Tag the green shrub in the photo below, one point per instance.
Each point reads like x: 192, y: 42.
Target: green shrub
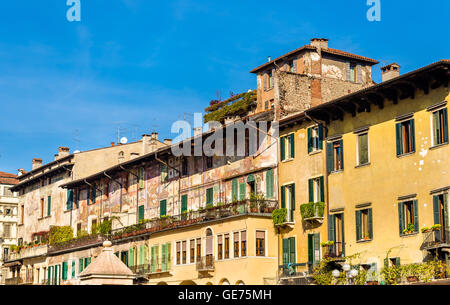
x: 279, y: 216
x: 312, y: 209
x: 60, y: 234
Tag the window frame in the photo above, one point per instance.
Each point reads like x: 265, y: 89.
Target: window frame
x: 358, y: 151
x: 443, y: 122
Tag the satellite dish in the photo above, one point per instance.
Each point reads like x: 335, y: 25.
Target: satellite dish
x: 123, y: 140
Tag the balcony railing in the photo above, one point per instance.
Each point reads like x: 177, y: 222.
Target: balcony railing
x: 436, y: 239
x: 76, y: 243
x: 205, y: 263
x: 294, y: 274
x: 245, y: 207
x: 14, y: 281
x: 337, y: 250
x: 28, y: 252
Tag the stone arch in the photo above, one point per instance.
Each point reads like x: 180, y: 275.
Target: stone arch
x: 209, y: 284
x: 188, y: 283
x: 224, y: 281
x: 240, y: 282
x: 161, y: 284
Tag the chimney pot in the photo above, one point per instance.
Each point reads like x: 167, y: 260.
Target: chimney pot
x: 390, y: 71
x: 36, y: 163
x: 269, y: 59
x: 321, y: 43
x: 113, y: 144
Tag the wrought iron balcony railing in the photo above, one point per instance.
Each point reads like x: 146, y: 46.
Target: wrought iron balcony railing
x: 205, y: 263
x: 436, y: 239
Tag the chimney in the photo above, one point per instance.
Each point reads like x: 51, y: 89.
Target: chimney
x: 269, y: 59
x: 390, y: 71
x: 197, y: 131
x: 63, y: 152
x: 36, y: 163
x: 154, y: 135
x: 168, y: 142
x: 21, y: 172
x: 113, y: 144
x: 320, y: 43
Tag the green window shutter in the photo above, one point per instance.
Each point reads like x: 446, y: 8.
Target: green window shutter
x: 358, y: 226
x: 49, y: 205
x: 64, y: 271
x: 310, y: 248
x: 49, y: 274
x: 69, y: 204
x: 55, y: 277
x: 282, y: 148
x: 184, y: 204
x: 77, y: 199
x: 73, y: 269
x: 332, y: 228
x: 413, y: 136
x: 141, y: 212
x: 322, y: 189
x: 285, y: 251
x: 145, y: 254
x: 153, y: 260
x: 169, y: 255
x: 320, y: 136
x: 401, y: 218
x: 209, y: 197
x: 164, y: 257
x: 94, y: 194
x: 88, y: 196
x: 162, y: 208
x: 436, y: 128
x: 269, y: 183
x: 80, y: 265
x: 399, y: 139
x: 341, y: 154
x: 311, y: 190
x: 283, y: 197
x: 234, y: 190
x: 310, y: 146
x: 130, y: 257
x: 293, y: 197
x: 242, y: 191
x: 316, y: 248
x: 416, y: 216
x: 141, y: 177
x: 436, y: 210
x: 397, y: 261
x: 330, y: 157
x: 370, y: 224
x: 292, y: 145
x: 141, y: 255
x: 292, y: 250
x: 445, y: 127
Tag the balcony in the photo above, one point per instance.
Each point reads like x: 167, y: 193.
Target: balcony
x: 335, y: 251
x: 87, y: 241
x: 312, y: 211
x: 28, y: 252
x: 435, y: 240
x: 294, y: 274
x: 245, y: 207
x: 205, y: 264
x: 14, y: 281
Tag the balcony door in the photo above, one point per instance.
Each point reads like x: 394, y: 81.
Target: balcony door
x: 440, y: 216
x: 209, y: 247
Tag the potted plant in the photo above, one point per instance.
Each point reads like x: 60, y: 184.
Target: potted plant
x: 425, y: 230
x: 436, y: 227
x: 409, y: 229
x: 412, y: 271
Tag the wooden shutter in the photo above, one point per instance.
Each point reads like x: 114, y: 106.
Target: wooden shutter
x: 234, y: 190
x: 162, y: 208
x: 341, y: 153
x: 310, y: 248
x: 358, y: 74
x: 292, y: 250
x: 141, y: 177
x: 141, y: 212
x: 130, y: 257
x: 184, y: 200
x: 401, y: 218
x: 293, y: 198
x: 436, y: 210
x: 322, y: 189
x: 264, y: 77
x: 80, y: 265
x: 358, y: 226
x: 310, y: 146
x: 342, y: 233
x: 317, y: 248
x: 64, y: 271
x: 413, y: 136
x: 269, y: 183
x: 370, y: 219
x: 347, y: 70
x: 164, y: 257
x: 285, y: 251
x: 169, y: 255
x: 242, y: 191
x: 397, y: 261
x: 445, y: 127
x: 292, y: 145
x: 416, y: 216
x: 69, y: 204
x: 94, y: 194
x: 49, y: 205
x: 73, y: 269
x: 399, y: 139
x: 88, y: 196
x: 283, y: 197
x: 209, y: 197
x: 320, y: 128
x: 332, y: 228
x: 436, y: 129
x: 49, y: 274
x: 153, y: 260
x: 330, y: 157
x: 311, y: 190
x: 294, y: 62
x: 283, y: 148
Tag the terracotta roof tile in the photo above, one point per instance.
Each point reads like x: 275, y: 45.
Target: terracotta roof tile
x: 7, y: 178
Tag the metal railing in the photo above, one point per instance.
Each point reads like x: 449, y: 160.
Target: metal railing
x: 14, y: 281
x: 77, y: 242
x: 435, y: 239
x: 293, y: 270
x: 337, y: 250
x: 205, y: 263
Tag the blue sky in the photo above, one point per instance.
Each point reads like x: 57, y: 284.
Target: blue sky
x: 145, y: 63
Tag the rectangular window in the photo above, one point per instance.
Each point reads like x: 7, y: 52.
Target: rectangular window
x: 69, y: 203
x: 289, y: 252
x: 364, y: 226
x: 260, y: 243
x: 184, y: 204
x: 363, y: 149
x: 288, y: 201
x: 244, y: 243
x: 163, y: 173
x: 291, y: 66
x: 42, y: 207
x: 199, y: 249
x: 405, y: 137
x: 440, y: 127
x: 316, y: 189
x: 179, y: 253
x: 6, y: 230
x: 141, y: 177
x: 408, y: 217
x: 236, y: 244
x: 353, y: 76
x: 163, y: 208
x: 209, y: 197
x: 440, y: 203
x: 192, y: 252
x: 287, y: 147
x: 336, y: 233
x: 335, y: 156
x: 49, y: 205
x: 22, y: 213
x: 270, y: 80
x: 315, y: 138
x: 313, y: 249
x: 184, y: 244
x: 184, y: 167
x: 226, y: 254
x: 141, y: 213
x: 220, y: 247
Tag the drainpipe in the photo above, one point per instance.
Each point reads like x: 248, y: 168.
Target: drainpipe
x: 137, y: 192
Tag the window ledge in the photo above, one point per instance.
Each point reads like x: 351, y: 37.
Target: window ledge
x: 362, y: 241
x: 409, y: 235
x: 362, y: 165
x: 315, y: 152
x: 438, y: 146
x: 337, y: 172
x: 406, y: 155
x: 287, y: 160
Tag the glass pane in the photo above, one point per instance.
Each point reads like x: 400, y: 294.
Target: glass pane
x: 363, y: 149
